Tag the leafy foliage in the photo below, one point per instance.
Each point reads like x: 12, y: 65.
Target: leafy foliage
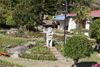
x: 94, y: 30
x: 77, y: 47
x: 10, y: 21
x: 49, y: 17
x: 82, y: 10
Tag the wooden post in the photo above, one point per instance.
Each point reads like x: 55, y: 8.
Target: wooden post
x: 28, y: 33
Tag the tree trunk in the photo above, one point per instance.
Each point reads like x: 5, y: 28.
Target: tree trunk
x: 75, y: 62
x: 80, y: 27
x: 42, y: 19
x: 98, y: 43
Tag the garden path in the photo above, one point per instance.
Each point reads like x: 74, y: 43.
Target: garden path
x: 57, y: 54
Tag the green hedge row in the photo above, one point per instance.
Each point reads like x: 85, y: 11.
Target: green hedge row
x: 38, y: 57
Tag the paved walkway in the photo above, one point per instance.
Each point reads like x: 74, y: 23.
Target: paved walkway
x: 57, y: 54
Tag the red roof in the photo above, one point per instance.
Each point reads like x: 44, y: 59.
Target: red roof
x: 48, y: 21
x: 71, y: 14
x: 95, y: 13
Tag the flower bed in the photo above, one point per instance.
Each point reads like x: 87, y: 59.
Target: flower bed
x: 96, y: 65
x: 38, y: 57
x: 40, y: 52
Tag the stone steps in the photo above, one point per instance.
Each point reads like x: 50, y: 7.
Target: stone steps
x: 56, y: 53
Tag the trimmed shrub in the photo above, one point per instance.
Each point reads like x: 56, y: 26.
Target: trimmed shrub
x: 77, y: 47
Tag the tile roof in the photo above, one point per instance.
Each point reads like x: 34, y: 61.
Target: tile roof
x: 95, y: 13
x: 48, y: 21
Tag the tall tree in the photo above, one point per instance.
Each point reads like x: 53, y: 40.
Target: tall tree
x: 27, y: 12
x: 82, y: 10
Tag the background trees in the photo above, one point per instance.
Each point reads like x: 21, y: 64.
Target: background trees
x: 27, y: 12
x: 82, y: 9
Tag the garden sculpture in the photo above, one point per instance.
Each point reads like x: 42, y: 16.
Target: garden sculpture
x: 49, y: 37
x: 44, y: 29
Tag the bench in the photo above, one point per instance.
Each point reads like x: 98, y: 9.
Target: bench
x: 5, y: 54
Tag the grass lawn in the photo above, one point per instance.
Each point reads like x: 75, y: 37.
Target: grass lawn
x: 4, y: 41
x: 39, y: 52
x: 92, y: 58
x: 37, y: 63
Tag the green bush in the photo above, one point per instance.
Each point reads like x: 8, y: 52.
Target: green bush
x: 94, y: 31
x: 49, y: 17
x: 10, y: 21
x: 77, y: 47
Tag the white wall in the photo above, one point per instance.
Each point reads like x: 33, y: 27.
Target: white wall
x: 69, y: 21
x: 87, y: 25
x: 72, y: 24
x: 62, y: 23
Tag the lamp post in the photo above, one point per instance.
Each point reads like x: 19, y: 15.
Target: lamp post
x: 65, y: 22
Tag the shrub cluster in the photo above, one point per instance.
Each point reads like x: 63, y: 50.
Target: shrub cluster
x: 38, y: 57
x: 78, y: 47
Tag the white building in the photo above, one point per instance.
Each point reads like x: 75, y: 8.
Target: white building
x: 71, y: 24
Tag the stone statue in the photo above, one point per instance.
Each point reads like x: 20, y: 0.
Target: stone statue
x: 49, y: 36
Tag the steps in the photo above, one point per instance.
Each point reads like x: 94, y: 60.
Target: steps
x: 57, y: 54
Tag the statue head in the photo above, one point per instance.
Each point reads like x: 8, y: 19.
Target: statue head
x: 50, y: 29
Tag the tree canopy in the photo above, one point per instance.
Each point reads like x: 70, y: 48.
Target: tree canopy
x: 77, y: 47
x: 26, y: 12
